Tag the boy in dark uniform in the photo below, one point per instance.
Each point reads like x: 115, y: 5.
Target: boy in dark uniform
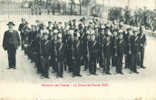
x: 102, y: 43
x: 25, y: 42
x: 44, y: 55
x: 84, y: 43
x: 127, y: 46
x: 134, y: 52
x: 93, y: 54
x: 120, y: 52
x: 114, y: 48
x: 107, y: 53
x: 142, y: 43
x: 31, y: 38
x: 76, y: 55
x: 53, y: 51
x: 100, y: 47
x: 59, y: 56
x: 69, y: 50
x: 86, y: 56
x: 21, y: 28
x: 37, y: 47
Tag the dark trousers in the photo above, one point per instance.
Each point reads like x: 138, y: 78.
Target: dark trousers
x: 76, y: 67
x: 45, y: 66
x: 119, y: 64
x: 59, y: 69
x: 127, y: 61
x: 114, y: 60
x: 142, y: 58
x: 101, y: 61
x: 86, y: 62
x: 37, y: 61
x: 92, y: 66
x: 12, y: 57
x: 107, y: 66
x: 22, y: 40
x: 133, y: 63
x: 69, y: 62
x: 53, y: 63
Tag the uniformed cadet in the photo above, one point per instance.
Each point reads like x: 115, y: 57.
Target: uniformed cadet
x: 133, y: 51
x: 127, y: 47
x: 84, y: 43
x: 44, y: 55
x: 65, y: 35
x: 142, y: 43
x: 31, y: 39
x: 21, y: 29
x: 36, y: 49
x: 86, y: 56
x: 107, y: 52
x: 26, y: 33
x: 59, y: 56
x: 53, y: 51
x: 114, y: 40
x: 92, y: 44
x: 120, y: 52
x: 101, y: 47
x: 69, y: 50
x: 76, y: 54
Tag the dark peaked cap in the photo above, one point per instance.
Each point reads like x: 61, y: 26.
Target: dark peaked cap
x: 11, y: 23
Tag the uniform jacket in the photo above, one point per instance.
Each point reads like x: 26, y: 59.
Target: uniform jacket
x: 21, y: 26
x: 60, y: 52
x: 120, y: 47
x: 44, y: 48
x: 76, y: 50
x: 142, y: 41
x: 107, y: 49
x: 11, y: 39
x: 134, y: 45
x: 92, y: 50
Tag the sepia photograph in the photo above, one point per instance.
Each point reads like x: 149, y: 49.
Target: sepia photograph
x: 77, y: 49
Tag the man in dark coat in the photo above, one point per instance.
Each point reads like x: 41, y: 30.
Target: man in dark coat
x: 11, y: 43
x: 142, y: 43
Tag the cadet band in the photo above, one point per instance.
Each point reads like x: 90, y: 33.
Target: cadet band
x: 68, y: 46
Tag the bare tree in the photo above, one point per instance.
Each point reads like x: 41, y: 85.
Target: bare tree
x: 85, y: 2
x: 80, y: 7
x: 71, y: 7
